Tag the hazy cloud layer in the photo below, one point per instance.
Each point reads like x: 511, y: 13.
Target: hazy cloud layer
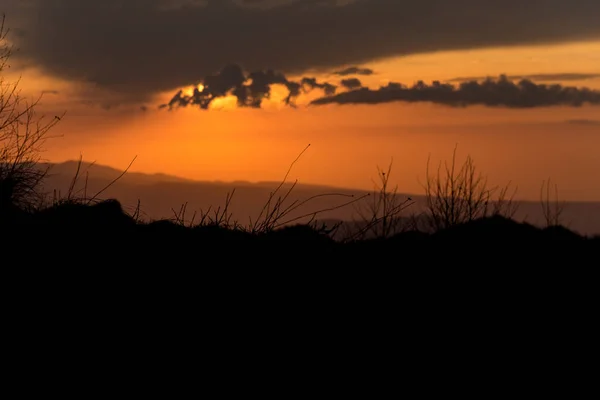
x: 559, y: 77
x: 588, y: 122
x: 249, y: 89
x: 140, y: 47
x: 500, y: 92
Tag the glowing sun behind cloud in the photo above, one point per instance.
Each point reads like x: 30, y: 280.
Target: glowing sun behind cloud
x: 228, y: 102
x: 189, y: 91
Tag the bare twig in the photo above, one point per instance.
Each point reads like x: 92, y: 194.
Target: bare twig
x: 552, y: 209
x: 381, y: 217
x: 112, y: 182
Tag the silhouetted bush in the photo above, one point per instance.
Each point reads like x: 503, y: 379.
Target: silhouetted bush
x: 456, y: 195
x: 22, y: 135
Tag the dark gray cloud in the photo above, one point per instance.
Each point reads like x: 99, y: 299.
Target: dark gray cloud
x: 558, y: 77
x: 351, y: 83
x: 312, y: 83
x: 500, y: 92
x: 250, y: 89
x: 354, y: 71
x: 139, y: 47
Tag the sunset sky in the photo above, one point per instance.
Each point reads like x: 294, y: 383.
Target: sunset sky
x: 362, y: 81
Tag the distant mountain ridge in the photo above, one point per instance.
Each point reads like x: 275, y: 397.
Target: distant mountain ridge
x: 99, y: 171
x: 107, y: 172
x: 162, y: 196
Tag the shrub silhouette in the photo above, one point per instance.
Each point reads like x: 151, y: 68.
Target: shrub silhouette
x: 22, y: 136
x: 299, y: 232
x: 106, y: 214
x: 458, y: 194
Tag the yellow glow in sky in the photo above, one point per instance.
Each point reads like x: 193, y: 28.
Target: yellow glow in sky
x: 189, y: 91
x: 228, y: 102
x: 349, y: 142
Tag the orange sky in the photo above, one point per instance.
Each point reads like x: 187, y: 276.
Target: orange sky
x: 348, y: 142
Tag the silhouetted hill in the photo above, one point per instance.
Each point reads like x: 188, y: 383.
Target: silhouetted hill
x: 105, y: 232
x: 83, y: 257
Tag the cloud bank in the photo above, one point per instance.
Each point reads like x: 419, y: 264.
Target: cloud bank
x: 250, y: 89
x: 141, y: 47
x: 559, y: 77
x: 501, y: 92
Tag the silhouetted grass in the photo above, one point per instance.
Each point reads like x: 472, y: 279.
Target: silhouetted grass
x: 278, y: 211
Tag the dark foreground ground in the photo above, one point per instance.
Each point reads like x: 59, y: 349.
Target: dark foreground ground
x: 98, y: 250
x: 102, y: 234
x: 493, y: 305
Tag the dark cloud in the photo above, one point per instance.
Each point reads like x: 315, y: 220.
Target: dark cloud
x: 249, y: 89
x: 501, y: 92
x: 312, y: 83
x: 564, y: 76
x: 351, y: 83
x: 49, y: 91
x: 141, y: 47
x: 354, y: 71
